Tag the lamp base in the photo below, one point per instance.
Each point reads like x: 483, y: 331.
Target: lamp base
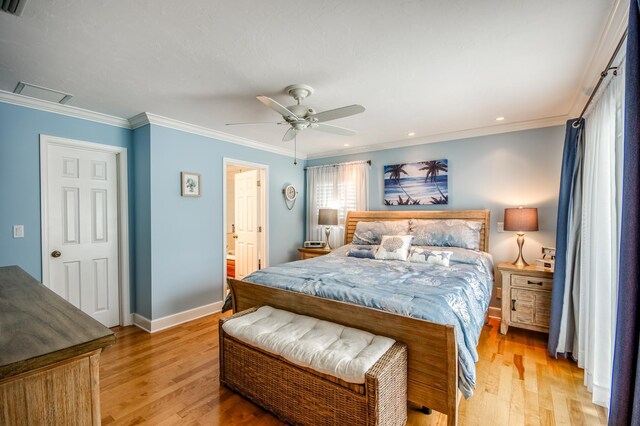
x: 520, y: 262
x: 327, y: 232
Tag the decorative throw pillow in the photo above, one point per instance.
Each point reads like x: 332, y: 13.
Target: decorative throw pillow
x: 363, y: 252
x: 434, y: 257
x: 371, y: 232
x: 394, y: 247
x: 446, y: 233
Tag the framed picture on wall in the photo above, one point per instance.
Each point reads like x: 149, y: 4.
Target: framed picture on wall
x: 424, y: 182
x: 191, y: 184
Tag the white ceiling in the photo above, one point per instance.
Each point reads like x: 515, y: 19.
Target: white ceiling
x: 424, y: 66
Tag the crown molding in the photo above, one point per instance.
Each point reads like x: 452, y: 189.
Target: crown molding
x: 139, y: 120
x: 616, y: 25
x: 145, y: 118
x: 67, y: 110
x: 449, y: 136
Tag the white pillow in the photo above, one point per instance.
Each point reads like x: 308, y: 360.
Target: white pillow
x: 434, y: 257
x: 394, y: 247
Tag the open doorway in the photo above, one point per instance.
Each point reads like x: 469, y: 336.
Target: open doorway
x: 245, y: 218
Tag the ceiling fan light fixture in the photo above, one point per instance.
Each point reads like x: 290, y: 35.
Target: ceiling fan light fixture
x: 300, y: 117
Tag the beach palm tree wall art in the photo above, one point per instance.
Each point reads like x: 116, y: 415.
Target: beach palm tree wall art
x: 420, y: 183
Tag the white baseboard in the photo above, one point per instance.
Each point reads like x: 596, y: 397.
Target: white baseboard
x: 495, y: 312
x: 151, y: 326
x: 128, y: 320
x: 142, y: 322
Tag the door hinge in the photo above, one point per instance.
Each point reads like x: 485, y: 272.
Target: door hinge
x: 259, y: 264
x: 258, y: 184
x: 259, y: 228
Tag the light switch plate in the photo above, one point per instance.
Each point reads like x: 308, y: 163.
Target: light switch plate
x: 18, y: 231
x: 500, y: 226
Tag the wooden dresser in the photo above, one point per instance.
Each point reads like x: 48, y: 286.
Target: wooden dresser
x: 49, y: 355
x: 526, y: 297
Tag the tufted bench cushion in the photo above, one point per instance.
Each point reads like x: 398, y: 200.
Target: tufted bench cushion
x: 308, y: 371
x: 342, y: 352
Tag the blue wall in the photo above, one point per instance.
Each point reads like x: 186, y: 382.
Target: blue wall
x: 176, y: 255
x: 187, y: 233
x: 20, y: 130
x: 489, y: 172
x: 142, y: 219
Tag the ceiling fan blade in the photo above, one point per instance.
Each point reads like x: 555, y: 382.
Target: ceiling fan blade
x: 334, y: 114
x: 333, y: 129
x: 251, y: 124
x: 276, y: 107
x: 289, y: 135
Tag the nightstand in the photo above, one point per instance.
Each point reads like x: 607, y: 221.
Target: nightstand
x: 526, y: 297
x: 308, y: 253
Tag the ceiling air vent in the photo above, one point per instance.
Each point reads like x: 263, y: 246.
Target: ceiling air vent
x: 14, y: 7
x: 44, y: 93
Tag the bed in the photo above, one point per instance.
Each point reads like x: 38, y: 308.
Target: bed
x: 433, y: 365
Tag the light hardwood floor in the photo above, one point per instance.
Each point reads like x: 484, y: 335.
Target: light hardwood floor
x: 171, y: 377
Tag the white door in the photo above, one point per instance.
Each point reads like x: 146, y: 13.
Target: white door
x: 246, y: 221
x: 82, y: 227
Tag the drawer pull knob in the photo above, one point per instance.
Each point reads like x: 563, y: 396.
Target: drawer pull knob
x: 535, y: 282
x: 513, y: 304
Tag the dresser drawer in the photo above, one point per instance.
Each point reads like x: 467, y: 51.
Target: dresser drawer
x: 533, y: 283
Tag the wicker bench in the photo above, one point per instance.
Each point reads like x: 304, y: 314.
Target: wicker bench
x: 301, y: 392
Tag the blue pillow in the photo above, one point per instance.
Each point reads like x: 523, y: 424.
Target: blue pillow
x: 372, y: 232
x: 363, y: 252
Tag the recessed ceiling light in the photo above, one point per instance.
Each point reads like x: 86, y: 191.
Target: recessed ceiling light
x: 499, y: 118
x: 346, y: 144
x: 411, y: 134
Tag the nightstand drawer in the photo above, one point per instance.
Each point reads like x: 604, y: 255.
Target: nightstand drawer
x: 309, y: 253
x: 533, y: 283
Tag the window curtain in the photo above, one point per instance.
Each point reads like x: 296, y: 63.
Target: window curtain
x: 570, y: 184
x: 625, y: 395
x: 596, y: 294
x: 339, y: 186
x: 586, y: 325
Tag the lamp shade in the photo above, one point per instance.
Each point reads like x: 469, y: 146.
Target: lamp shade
x: 521, y: 219
x: 327, y: 217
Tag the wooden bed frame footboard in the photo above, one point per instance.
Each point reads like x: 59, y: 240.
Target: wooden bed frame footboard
x: 432, y: 349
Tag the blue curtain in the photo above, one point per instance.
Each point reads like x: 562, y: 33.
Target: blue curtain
x: 625, y: 394
x: 572, y: 143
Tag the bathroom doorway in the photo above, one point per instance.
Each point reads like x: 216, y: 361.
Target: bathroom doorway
x: 245, y: 218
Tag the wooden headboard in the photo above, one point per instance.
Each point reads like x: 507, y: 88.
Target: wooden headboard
x: 372, y: 216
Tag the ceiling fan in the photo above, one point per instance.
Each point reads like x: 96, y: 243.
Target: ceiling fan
x: 299, y: 117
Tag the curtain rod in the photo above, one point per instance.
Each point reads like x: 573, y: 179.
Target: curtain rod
x: 603, y: 74
x: 339, y: 164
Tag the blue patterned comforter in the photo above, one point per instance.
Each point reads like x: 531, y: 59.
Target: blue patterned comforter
x: 458, y: 295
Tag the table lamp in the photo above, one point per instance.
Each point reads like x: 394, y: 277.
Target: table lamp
x: 328, y: 217
x: 520, y: 219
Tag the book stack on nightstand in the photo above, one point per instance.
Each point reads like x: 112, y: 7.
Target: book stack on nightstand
x: 526, y: 297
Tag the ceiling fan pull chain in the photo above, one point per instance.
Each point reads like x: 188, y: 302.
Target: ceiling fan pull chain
x: 295, y: 149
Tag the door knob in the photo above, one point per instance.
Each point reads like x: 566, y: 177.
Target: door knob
x: 56, y: 253
x: 235, y: 237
